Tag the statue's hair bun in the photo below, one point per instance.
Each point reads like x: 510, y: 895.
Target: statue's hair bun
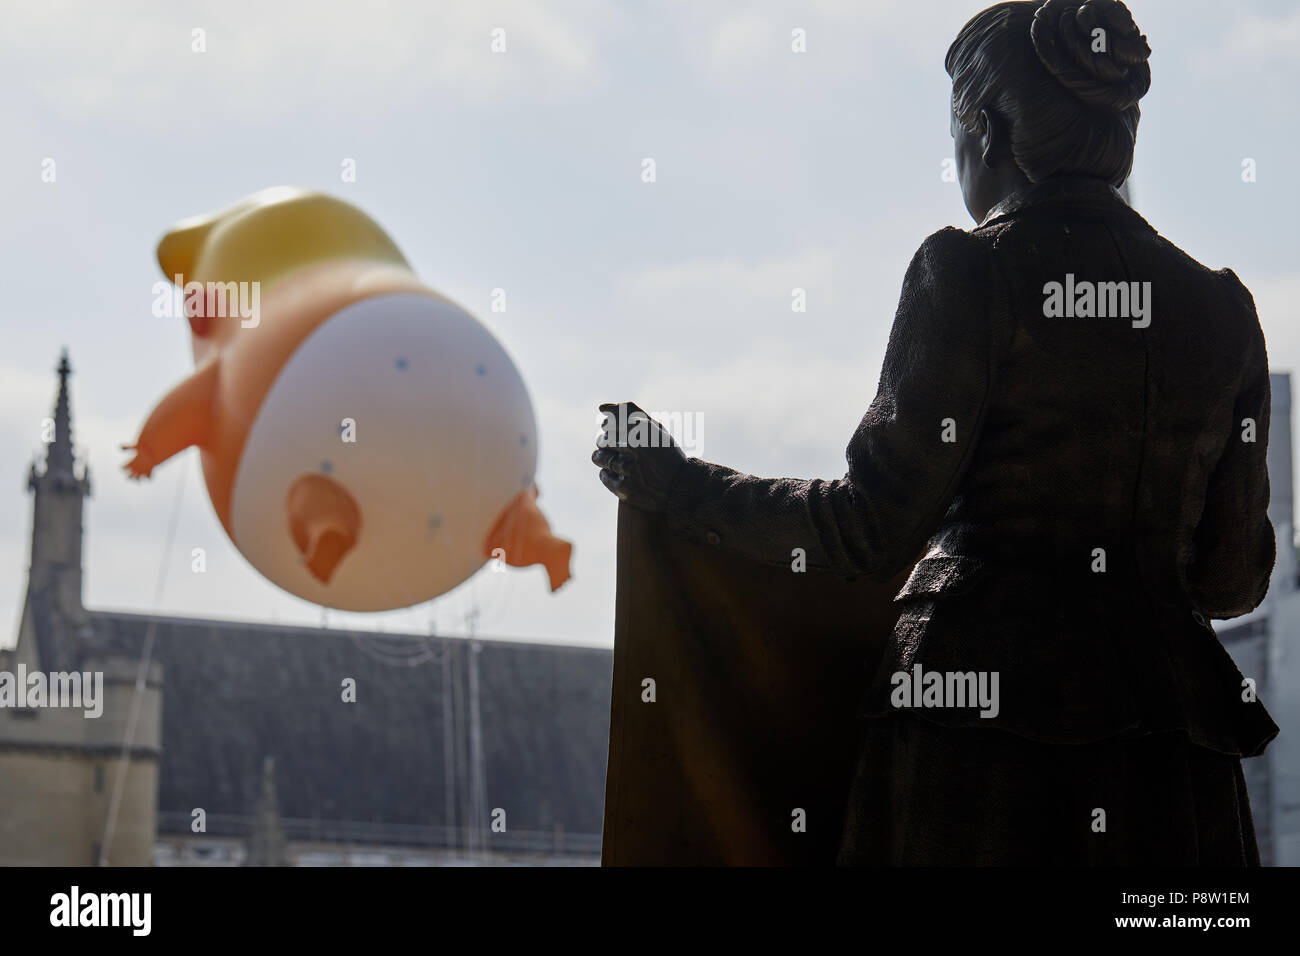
x: 1105, y: 70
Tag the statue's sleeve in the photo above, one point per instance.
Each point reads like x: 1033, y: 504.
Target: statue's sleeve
x: 908, y: 454
x: 1235, y: 545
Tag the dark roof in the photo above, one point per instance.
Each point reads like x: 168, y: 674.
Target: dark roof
x: 235, y: 693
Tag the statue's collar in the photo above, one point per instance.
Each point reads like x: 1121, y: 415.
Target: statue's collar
x: 1062, y: 189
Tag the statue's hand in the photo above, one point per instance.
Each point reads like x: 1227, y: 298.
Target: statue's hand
x: 637, y: 456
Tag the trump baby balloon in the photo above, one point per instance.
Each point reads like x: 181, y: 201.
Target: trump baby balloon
x: 366, y: 443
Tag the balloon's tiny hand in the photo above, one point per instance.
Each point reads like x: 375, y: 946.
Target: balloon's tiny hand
x: 637, y: 457
x: 142, y: 465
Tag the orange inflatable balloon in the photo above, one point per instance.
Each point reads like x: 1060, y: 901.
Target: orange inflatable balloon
x: 366, y: 443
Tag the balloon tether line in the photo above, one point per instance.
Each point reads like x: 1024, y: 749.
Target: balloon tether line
x: 141, y: 678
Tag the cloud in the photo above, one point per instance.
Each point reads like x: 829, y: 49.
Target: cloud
x: 1255, y: 39
x: 1275, y: 299
x: 729, y: 286
x: 697, y: 312
x: 767, y: 412
x: 138, y: 61
x: 741, y: 40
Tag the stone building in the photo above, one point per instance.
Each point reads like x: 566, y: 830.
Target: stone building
x: 242, y: 749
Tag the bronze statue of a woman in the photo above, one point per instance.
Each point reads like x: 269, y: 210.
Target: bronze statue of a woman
x: 1069, y: 445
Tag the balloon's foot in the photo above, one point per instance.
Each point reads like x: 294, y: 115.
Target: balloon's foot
x: 522, y: 536
x: 324, y: 521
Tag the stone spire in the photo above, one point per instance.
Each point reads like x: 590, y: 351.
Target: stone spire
x: 266, y: 843
x: 59, y: 472
x: 58, y: 454
x: 60, y: 490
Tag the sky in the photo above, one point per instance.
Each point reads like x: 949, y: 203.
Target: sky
x: 522, y: 170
